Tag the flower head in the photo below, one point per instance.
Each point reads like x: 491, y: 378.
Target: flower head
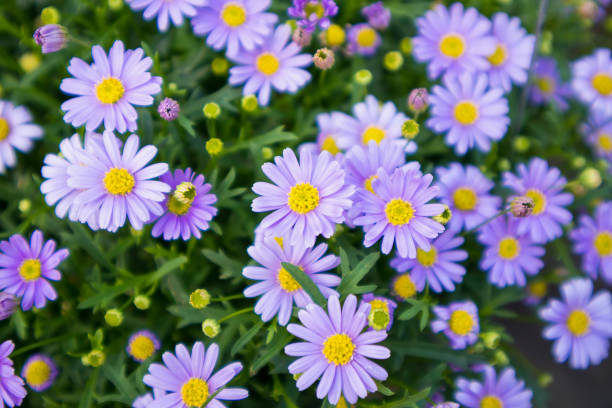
x: 598, y: 133
x: 313, y: 13
x: 403, y: 287
x: 166, y: 10
x: 142, y: 345
x: 459, y: 322
x: 418, y: 100
x: 51, y: 37
x: 522, y: 206
x: 593, y: 240
x: 39, y: 372
x: 363, y: 39
x: 144, y: 400
x: 592, y: 80
x: 168, y: 109
x: 323, y: 58
x: 377, y: 14
x: 381, y: 312
x: 494, y: 392
x: 16, y: 133
x: 547, y: 85
x: 12, y: 391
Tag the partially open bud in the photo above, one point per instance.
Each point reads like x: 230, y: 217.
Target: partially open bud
x: 418, y: 100
x: 323, y: 58
x: 379, y: 318
x: 522, y: 206
x: 410, y: 129
x: 363, y: 77
x: 490, y: 339
x: 214, y: 146
x: 168, y: 109
x: 588, y: 10
x: 51, y: 37
x: 301, y: 37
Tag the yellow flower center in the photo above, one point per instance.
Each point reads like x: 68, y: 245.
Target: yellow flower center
x: 287, y: 282
x: 342, y: 403
x: 538, y: 289
x: 182, y: 198
x: 315, y: 8
x: 373, y: 133
x: 30, y: 269
x: 491, y: 401
x: 118, y: 181
x: 338, y: 349
x: 603, y: 243
x: 465, y: 198
x: 37, y: 373
x: 499, y: 56
x: 335, y: 35
x: 110, y: 90
x: 329, y: 144
x: 602, y: 83
x: 545, y: 84
x: 142, y: 348
x: 461, y: 322
x: 303, y: 198
x: 366, y: 37
x: 233, y: 14
x: 604, y: 141
x: 404, y: 287
x: 578, y: 322
x: 367, y: 184
x: 466, y: 112
x: 452, y: 45
x: 539, y: 200
x: 194, y: 392
x: 279, y: 241
x: 509, y: 248
x: 428, y: 258
x: 4, y: 129
x: 267, y: 63
x: 399, y: 212
x: 379, y: 317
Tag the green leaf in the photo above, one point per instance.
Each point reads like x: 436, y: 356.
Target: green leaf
x: 116, y: 375
x: 350, y: 280
x: 276, y: 135
x: 88, y: 393
x: 306, y: 283
x: 424, y: 318
x: 186, y: 124
x: 272, y: 350
x: 166, y: 268
x: 244, y: 340
x: 410, y: 313
x: 85, y: 241
x: 232, y: 267
x: 431, y: 351
x: 384, y: 390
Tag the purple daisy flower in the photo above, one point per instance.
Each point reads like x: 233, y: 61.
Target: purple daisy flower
x: 188, y: 378
x: 547, y: 84
x: 459, y: 322
x: 509, y: 254
x: 107, y: 89
x: 51, y: 37
x: 312, y: 13
x: 8, y: 304
x: 234, y: 24
x: 307, y: 198
x: 593, y: 240
x: 581, y: 324
x: 25, y: 269
x: 336, y: 351
x: 12, y: 391
x: 16, y: 133
x: 166, y: 10
x: 144, y: 400
x: 117, y: 184
x: 469, y: 111
x: 279, y: 289
x: 377, y: 14
x: 544, y: 186
x: 327, y: 138
x: 466, y: 192
x: 363, y: 40
x: 39, y: 372
x: 598, y: 133
x: 494, y: 392
x: 592, y: 80
x: 512, y: 57
x: 398, y: 212
x: 381, y: 312
x: 273, y: 64
x: 142, y: 345
x: 453, y: 40
x: 189, y: 206
x: 438, y: 267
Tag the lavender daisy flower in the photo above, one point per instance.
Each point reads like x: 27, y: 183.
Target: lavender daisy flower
x: 363, y: 40
x: 312, y: 13
x: 377, y: 14
x: 327, y: 138
x: 12, y: 391
x: 279, y: 289
x: 398, y: 212
x: 581, y: 324
x: 51, y: 37
x: 598, y: 133
x: 381, y: 312
x: 39, y: 372
x: 509, y: 255
x: 437, y: 267
x: 144, y: 400
x: 453, y: 40
x: 189, y: 206
x: 108, y: 88
x: 189, y: 381
x: 273, y: 64
x: 466, y: 192
x: 166, y: 10
x: 16, y: 133
x: 307, y: 198
x: 543, y: 185
x: 469, y: 111
x: 142, y: 345
x: 459, y: 322
x: 118, y: 184
x: 592, y: 80
x: 8, y: 303
x: 593, y: 240
x: 234, y: 24
x: 547, y: 84
x: 494, y: 392
x: 336, y: 351
x: 402, y: 287
x: 512, y: 57
x: 25, y: 269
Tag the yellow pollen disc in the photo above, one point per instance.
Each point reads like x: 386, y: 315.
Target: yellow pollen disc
x: 428, y: 258
x: 110, y: 90
x: 465, y: 198
x: 372, y: 133
x: 603, y: 243
x: 303, y: 198
x: 461, y: 322
x: 279, y: 241
x: 499, y: 56
x: 315, y: 8
x: 578, y: 322
x: 367, y: 184
x: 539, y: 200
x: 509, y: 248
x: 180, y: 201
x: 366, y: 37
x: 287, y: 282
x: 267, y: 63
x: 452, y: 45
x: 338, y: 349
x: 602, y: 83
x: 233, y: 14
x: 538, y: 289
x: 4, y: 129
x: 335, y: 35
x: 379, y: 319
x: 118, y: 181
x: 194, y: 392
x: 399, y: 212
x: 604, y: 141
x: 30, y: 269
x: 466, y: 112
x: 404, y: 287
x: 545, y: 84
x: 378, y: 304
x: 37, y: 373
x: 142, y: 348
x: 342, y: 403
x: 329, y: 144
x: 491, y: 401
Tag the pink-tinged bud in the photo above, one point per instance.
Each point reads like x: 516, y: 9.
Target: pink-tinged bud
x: 418, y: 100
x: 522, y: 206
x: 51, y: 37
x: 8, y: 303
x: 588, y: 10
x: 323, y: 58
x: 168, y: 109
x: 301, y: 37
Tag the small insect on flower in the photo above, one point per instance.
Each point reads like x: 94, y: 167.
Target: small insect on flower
x: 522, y: 206
x: 459, y: 322
x: 168, y: 109
x: 593, y: 240
x: 39, y: 372
x: 16, y: 133
x: 12, y: 391
x: 503, y: 391
x: 301, y: 37
x: 313, y: 13
x: 142, y: 345
x: 51, y: 37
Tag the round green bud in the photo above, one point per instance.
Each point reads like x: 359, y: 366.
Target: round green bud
x: 500, y: 358
x: 249, y: 103
x: 267, y: 153
x: 211, y: 328
x: 115, y: 4
x: 406, y: 45
x: 49, y: 15
x: 379, y: 318
x: 410, y: 129
x: 95, y: 358
x: 199, y: 298
x: 142, y: 302
x: 545, y: 379
x: 219, y: 66
x: 25, y: 205
x: 393, y: 60
x: 214, y: 146
x: 363, y: 77
x: 578, y: 162
x: 211, y: 110
x: 590, y: 178
x: 113, y: 317
x: 503, y: 164
x: 521, y: 144
x: 490, y: 339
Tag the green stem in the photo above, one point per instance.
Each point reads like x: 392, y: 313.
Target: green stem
x: 485, y: 222
x: 232, y: 297
x: 237, y: 313
x: 40, y: 344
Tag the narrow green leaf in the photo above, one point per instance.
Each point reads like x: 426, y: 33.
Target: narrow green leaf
x: 431, y: 351
x: 348, y: 284
x: 85, y: 241
x: 407, y: 400
x: 234, y: 268
x: 410, y: 313
x: 272, y: 350
x: 186, y: 124
x: 166, y: 268
x: 306, y: 283
x: 424, y: 318
x: 345, y: 266
x: 244, y: 340
x: 88, y: 393
x: 384, y: 390
x: 116, y: 375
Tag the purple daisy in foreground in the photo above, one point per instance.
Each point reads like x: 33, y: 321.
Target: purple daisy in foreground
x: 166, y: 10
x: 544, y: 186
x: 593, y: 240
x: 107, y: 89
x: 26, y: 268
x: 307, y: 198
x: 381, y: 311
x: 504, y: 391
x: 39, y: 372
x: 547, y: 85
x: 592, y: 80
x: 189, y: 381
x: 16, y: 133
x: 312, y: 13
x: 144, y: 400
x: 12, y: 391
x: 142, y: 345
x: 459, y: 322
x: 278, y: 288
x: 327, y: 138
x: 336, y: 351
x: 363, y: 39
x: 581, y: 324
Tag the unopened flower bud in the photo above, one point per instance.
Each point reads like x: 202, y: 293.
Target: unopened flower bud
x: 393, y: 60
x: 113, y: 317
x: 29, y: 61
x: 363, y: 77
x: 199, y: 298
x: 410, y: 129
x: 169, y: 109
x: 24, y: 205
x: 418, y: 100
x: 406, y: 45
x: 8, y: 303
x: 219, y: 66
x: 521, y: 144
x: 51, y: 38
x: 545, y: 379
x: 115, y: 4
x: 49, y: 15
x: 323, y: 58
x: 501, y: 358
x: 301, y: 37
x: 211, y: 328
x: 490, y: 339
x: 249, y: 103
x: 379, y: 318
x: 214, y: 146
x: 211, y: 110
x: 522, y: 206
x: 588, y: 10
x: 590, y: 178
x: 95, y: 358
x: 142, y: 302
x: 267, y: 153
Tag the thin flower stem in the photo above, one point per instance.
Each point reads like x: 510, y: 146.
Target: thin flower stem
x: 237, y: 313
x: 485, y: 222
x: 232, y: 297
x: 40, y: 344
